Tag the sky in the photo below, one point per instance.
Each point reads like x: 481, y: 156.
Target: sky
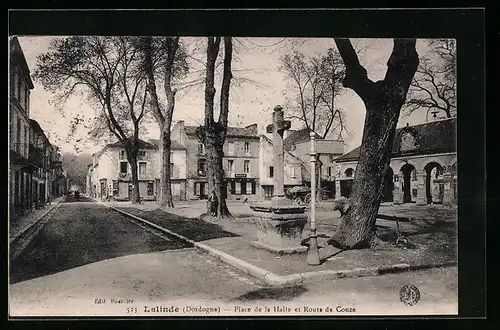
x: 255, y: 59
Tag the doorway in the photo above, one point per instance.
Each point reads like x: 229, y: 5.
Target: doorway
x: 433, y: 191
x: 409, y: 175
x: 388, y: 186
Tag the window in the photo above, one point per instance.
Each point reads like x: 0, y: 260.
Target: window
x: 237, y: 185
x: 247, y: 147
x: 233, y: 187
x: 201, y: 148
x: 230, y: 166
x: 253, y: 188
x: 249, y: 188
x: 349, y: 173
x: 142, y: 168
x: 150, y: 188
x: 122, y: 154
x: 18, y: 138
x: 201, y: 167
x: 268, y: 192
x: 243, y: 187
x: 246, y: 166
x: 123, y: 167
x: 230, y: 148
x: 171, y: 170
x: 329, y: 171
x: 271, y: 172
x: 141, y: 155
x: 414, y: 175
x: 294, y: 174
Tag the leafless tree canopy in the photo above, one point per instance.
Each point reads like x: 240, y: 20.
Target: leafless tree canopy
x: 316, y: 83
x: 434, y: 84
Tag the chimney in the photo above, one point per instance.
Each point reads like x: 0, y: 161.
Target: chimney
x: 181, y: 129
x: 252, y: 128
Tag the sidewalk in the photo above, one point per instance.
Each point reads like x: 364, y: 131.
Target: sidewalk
x: 432, y: 233
x: 18, y: 226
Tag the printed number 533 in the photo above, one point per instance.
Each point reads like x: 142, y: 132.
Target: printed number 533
x: 131, y: 310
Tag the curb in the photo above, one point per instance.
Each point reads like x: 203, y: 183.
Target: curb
x: 14, y: 237
x: 274, y: 280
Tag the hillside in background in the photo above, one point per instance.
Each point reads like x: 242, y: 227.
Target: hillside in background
x: 76, y: 166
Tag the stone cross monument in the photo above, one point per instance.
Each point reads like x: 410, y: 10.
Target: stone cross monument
x: 279, y: 224
x: 278, y: 128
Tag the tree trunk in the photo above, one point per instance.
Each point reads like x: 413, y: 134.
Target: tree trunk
x: 358, y: 223
x: 166, y: 190
x: 215, y: 173
x: 136, y: 197
x: 383, y: 101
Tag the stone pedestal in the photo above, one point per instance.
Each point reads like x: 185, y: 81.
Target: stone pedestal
x: 279, y: 227
x: 448, y: 194
x: 397, y: 193
x: 338, y: 193
x: 421, y: 193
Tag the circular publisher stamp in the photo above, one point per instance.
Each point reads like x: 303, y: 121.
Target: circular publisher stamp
x: 409, y: 295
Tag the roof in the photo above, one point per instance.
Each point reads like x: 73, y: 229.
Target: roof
x: 174, y: 145
x: 17, y: 51
x: 231, y: 131
x: 296, y: 137
x: 141, y: 144
x: 432, y: 137
x: 271, y: 143
x: 121, y: 144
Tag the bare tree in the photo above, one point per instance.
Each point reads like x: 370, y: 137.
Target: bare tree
x: 316, y: 82
x: 213, y: 133
x: 106, y: 71
x: 383, y: 101
x: 163, y: 54
x: 434, y: 84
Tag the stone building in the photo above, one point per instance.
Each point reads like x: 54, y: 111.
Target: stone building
x: 294, y: 167
x: 422, y: 167
x: 40, y: 153
x: 111, y: 172
x: 240, y: 161
x: 21, y: 166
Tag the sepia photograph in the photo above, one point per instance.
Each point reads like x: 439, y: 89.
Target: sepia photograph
x: 232, y: 176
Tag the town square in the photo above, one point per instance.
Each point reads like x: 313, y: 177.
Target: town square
x: 203, y: 176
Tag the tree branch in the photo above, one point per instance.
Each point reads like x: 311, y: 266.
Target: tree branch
x: 356, y: 76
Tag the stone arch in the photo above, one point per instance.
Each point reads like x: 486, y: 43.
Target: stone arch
x: 452, y: 163
x: 433, y: 181
x: 435, y: 160
x: 407, y: 181
x: 398, y: 166
x: 388, y: 185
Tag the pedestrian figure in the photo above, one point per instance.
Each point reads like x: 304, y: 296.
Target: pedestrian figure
x: 213, y: 204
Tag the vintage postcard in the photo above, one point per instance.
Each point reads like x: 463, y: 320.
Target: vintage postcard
x: 232, y: 176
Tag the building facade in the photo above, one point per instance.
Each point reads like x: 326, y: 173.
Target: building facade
x: 293, y: 169
x: 298, y: 143
x: 240, y: 161
x: 177, y: 169
x: 111, y: 172
x: 423, y: 165
x: 21, y: 166
x: 40, y: 151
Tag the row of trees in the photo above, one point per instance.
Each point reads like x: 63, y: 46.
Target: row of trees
x: 120, y: 76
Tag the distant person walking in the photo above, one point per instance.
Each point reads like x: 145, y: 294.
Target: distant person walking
x: 213, y: 202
